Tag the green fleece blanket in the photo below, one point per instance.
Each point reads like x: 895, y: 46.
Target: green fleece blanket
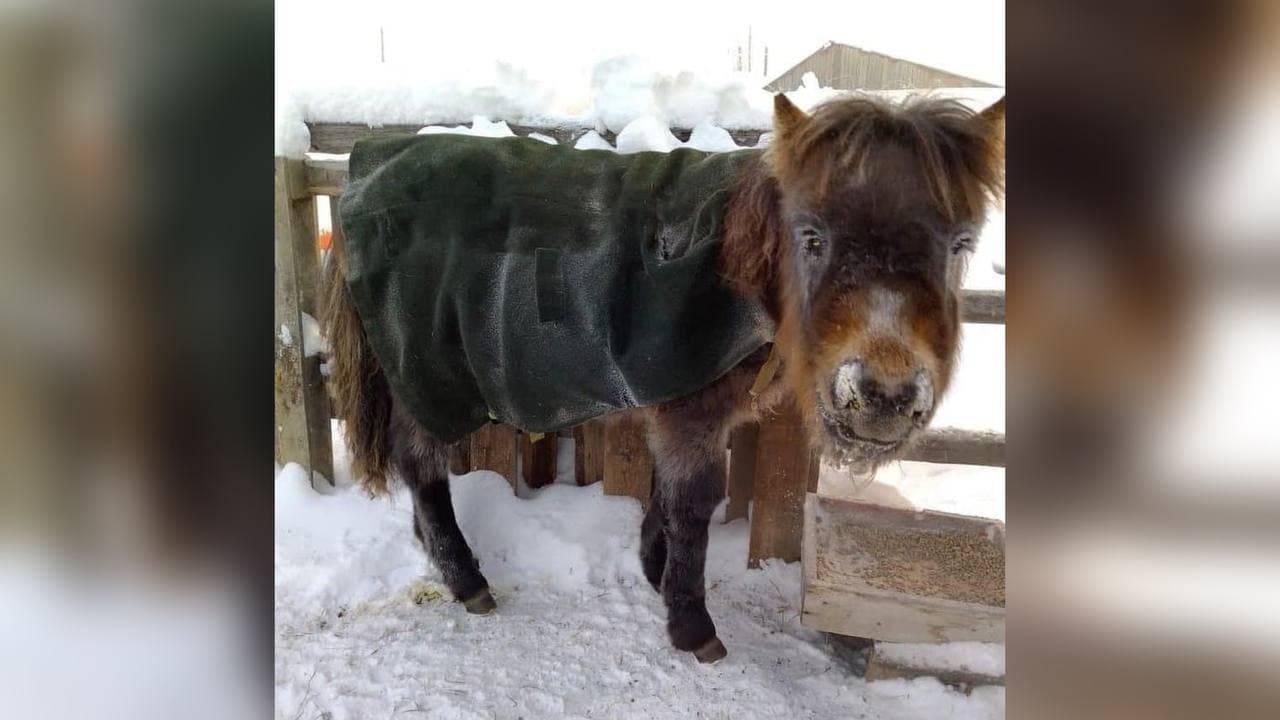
x: 539, y: 285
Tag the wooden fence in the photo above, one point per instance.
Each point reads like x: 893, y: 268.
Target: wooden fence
x: 770, y: 464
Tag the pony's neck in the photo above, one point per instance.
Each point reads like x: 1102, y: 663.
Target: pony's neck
x: 751, y: 256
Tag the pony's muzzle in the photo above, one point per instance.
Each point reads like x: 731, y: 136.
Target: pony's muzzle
x: 876, y: 408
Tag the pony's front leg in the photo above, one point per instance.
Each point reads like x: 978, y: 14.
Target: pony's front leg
x: 690, y: 474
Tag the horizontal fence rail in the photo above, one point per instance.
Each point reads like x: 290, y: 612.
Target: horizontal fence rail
x: 341, y: 137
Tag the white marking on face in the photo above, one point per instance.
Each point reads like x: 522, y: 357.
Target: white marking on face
x: 884, y: 316
x: 845, y: 387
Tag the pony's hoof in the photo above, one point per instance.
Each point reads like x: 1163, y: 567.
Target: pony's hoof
x: 481, y: 603
x: 711, y: 651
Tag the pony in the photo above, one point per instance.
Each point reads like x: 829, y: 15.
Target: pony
x: 853, y: 229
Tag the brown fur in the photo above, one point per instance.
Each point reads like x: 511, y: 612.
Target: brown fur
x: 361, y: 397
x: 960, y: 154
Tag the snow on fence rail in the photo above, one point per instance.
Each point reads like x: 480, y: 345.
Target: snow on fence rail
x: 341, y: 137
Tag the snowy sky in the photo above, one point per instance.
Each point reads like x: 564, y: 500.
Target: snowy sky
x: 962, y: 36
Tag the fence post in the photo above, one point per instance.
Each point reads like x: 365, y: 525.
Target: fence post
x: 628, y: 465
x: 493, y: 447
x: 784, y: 469
x: 588, y: 452
x: 538, y: 458
x: 301, y: 405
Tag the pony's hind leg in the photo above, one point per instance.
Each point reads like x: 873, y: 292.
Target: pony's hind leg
x: 422, y: 463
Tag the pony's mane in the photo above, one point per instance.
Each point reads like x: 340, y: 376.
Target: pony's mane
x: 960, y: 155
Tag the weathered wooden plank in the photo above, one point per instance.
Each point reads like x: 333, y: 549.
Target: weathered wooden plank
x: 628, y: 465
x: 494, y: 447
x: 341, y: 137
x: 327, y: 176
x: 901, y: 575
x: 743, y: 445
x: 783, y: 461
x: 588, y: 452
x: 982, y: 306
x: 302, y: 406
x: 538, y: 455
x: 291, y: 444
x: 958, y: 447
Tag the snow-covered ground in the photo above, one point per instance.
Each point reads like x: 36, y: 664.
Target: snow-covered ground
x: 365, y: 629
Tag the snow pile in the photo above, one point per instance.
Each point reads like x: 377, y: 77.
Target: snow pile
x: 365, y: 628
x: 399, y: 94
x: 711, y: 138
x: 481, y: 126
x: 646, y: 133
x: 625, y: 88
x: 592, y: 140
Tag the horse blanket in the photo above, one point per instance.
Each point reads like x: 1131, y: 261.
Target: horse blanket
x: 539, y: 285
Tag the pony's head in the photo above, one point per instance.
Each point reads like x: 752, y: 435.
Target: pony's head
x: 880, y: 205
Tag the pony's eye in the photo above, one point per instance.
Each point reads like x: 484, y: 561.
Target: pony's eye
x: 963, y: 242
x: 810, y: 238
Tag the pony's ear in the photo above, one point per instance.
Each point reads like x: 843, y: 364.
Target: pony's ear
x: 787, y: 118
x: 992, y: 119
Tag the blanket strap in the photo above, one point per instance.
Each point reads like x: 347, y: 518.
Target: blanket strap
x: 765, y: 377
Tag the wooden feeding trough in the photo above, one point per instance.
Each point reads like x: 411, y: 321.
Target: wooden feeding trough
x: 901, y: 575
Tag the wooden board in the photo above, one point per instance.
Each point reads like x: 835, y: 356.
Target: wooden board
x: 743, y: 444
x: 588, y: 452
x: 982, y: 306
x: 301, y: 404
x: 901, y: 575
x: 628, y: 465
x: 538, y: 459
x: 494, y: 447
x: 958, y: 447
x: 783, y: 473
